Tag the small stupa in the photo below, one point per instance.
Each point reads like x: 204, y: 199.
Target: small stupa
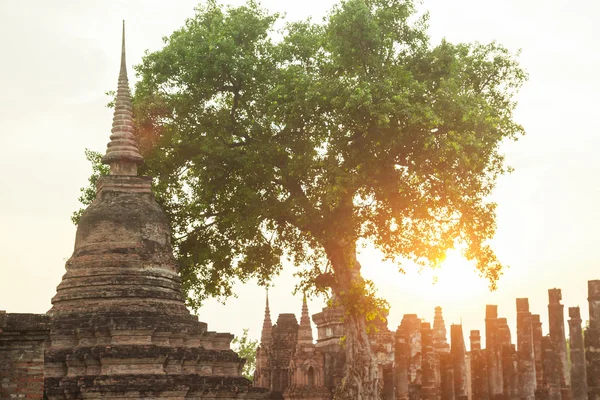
x: 119, y: 324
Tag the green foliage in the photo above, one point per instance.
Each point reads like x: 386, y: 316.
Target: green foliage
x: 353, y: 130
x: 88, y: 194
x: 246, y: 348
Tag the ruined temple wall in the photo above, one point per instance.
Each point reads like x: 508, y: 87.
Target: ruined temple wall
x: 23, y: 340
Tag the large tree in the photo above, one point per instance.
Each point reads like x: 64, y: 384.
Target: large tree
x: 303, y: 142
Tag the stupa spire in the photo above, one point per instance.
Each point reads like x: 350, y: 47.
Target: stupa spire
x: 265, y: 337
x: 305, y: 330
x: 122, y: 153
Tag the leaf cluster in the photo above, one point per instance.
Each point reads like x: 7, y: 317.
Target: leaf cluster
x: 246, y: 349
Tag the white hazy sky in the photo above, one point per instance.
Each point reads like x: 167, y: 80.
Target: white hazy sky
x: 58, y: 58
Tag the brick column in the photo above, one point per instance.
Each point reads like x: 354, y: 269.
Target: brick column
x: 429, y: 389
x: 457, y: 349
x: 479, y: 378
x: 536, y: 328
x: 412, y: 329
x: 401, y: 355
x: 556, y: 316
x: 510, y: 372
x: 578, y: 376
x: 510, y: 386
x: 493, y: 352
x: 525, y: 351
x: 552, y: 369
x: 447, y: 377
x: 592, y: 341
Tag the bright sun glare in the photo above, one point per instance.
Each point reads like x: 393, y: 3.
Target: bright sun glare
x: 456, y: 275
x: 455, y: 282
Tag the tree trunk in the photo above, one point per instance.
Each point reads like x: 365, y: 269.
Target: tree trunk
x: 361, y: 381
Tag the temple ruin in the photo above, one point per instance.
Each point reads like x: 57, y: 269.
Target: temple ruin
x: 417, y: 363
x: 119, y: 329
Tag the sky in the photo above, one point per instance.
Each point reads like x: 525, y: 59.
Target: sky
x: 60, y: 57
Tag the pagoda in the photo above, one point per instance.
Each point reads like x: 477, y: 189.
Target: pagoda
x: 119, y: 327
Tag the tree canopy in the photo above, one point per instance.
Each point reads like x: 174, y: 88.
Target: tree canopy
x: 299, y: 143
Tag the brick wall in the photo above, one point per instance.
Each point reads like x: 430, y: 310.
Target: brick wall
x: 22, y: 341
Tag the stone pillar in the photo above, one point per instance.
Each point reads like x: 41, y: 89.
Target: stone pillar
x: 468, y: 380
x: 525, y: 354
x: 509, y: 372
x: 479, y: 378
x: 592, y: 341
x: 459, y: 366
x: 514, y: 383
x: 536, y: 330
x: 429, y: 389
x: 401, y: 355
x: 493, y: 350
x: 504, y: 336
x: 412, y: 330
x: 552, y: 369
x: 556, y: 325
x: 578, y: 376
x: 447, y: 377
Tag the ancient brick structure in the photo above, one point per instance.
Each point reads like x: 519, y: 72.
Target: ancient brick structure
x: 23, y: 340
x: 285, y: 335
x: 262, y: 371
x: 552, y: 370
x: 412, y: 325
x: 536, y: 330
x: 508, y: 361
x: 592, y: 341
x: 510, y: 372
x: 459, y: 364
x: 306, y: 370
x: 291, y: 366
x: 504, y: 336
x: 408, y: 358
x: 412, y: 366
x: 479, y: 376
x: 401, y: 356
x: 118, y: 326
x: 493, y: 350
x: 330, y: 330
x: 526, y: 355
x: 556, y: 326
x: 579, y: 388
x: 447, y: 377
x: 382, y: 345
x: 276, y: 351
x: 468, y: 377
x: 429, y: 384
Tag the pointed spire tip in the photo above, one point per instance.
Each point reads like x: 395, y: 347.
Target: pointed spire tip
x: 123, y: 71
x: 122, y: 153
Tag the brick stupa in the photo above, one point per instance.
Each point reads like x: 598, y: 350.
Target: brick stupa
x: 120, y: 328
